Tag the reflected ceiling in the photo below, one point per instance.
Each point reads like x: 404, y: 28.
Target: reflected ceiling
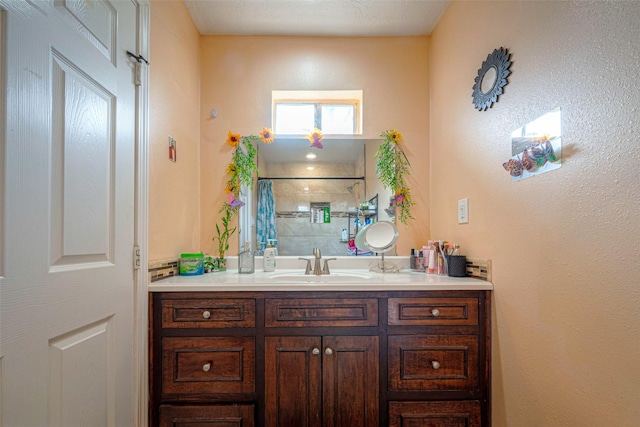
x: 294, y: 150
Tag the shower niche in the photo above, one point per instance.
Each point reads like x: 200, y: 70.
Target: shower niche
x: 320, y: 212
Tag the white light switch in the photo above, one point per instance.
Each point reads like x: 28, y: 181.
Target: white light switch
x: 463, y: 211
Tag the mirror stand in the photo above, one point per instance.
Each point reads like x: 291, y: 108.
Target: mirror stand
x: 380, y: 237
x: 383, y: 266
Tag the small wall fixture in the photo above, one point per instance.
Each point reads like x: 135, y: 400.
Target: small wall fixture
x: 173, y: 149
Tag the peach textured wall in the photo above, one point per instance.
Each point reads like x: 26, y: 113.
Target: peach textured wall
x: 174, y: 109
x: 565, y: 245
x: 239, y: 73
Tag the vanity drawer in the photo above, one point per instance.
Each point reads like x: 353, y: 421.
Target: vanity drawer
x: 301, y: 312
x: 208, y: 313
x: 207, y: 365
x: 435, y: 414
x: 433, y: 362
x: 433, y: 311
x: 207, y: 415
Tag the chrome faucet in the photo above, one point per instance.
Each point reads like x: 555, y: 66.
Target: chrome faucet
x: 307, y: 270
x: 317, y: 270
x: 325, y: 270
x: 318, y: 256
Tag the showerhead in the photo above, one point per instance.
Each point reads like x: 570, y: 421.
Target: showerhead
x: 352, y: 187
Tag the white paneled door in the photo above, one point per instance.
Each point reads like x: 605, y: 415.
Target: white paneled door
x: 68, y: 159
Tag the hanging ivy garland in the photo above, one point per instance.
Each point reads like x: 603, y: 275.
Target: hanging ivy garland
x: 392, y: 167
x: 241, y: 170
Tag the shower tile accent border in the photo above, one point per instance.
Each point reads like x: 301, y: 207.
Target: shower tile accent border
x: 159, y: 269
x: 479, y: 268
x: 306, y: 214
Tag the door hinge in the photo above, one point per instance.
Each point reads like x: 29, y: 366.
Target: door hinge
x: 136, y: 257
x: 138, y: 67
x: 138, y: 73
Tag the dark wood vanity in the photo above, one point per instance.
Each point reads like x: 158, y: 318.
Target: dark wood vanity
x: 320, y: 358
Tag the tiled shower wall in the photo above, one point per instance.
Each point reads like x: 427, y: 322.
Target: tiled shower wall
x: 296, y: 234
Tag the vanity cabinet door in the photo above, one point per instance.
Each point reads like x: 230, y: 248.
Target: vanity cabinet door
x: 293, y: 381
x: 321, y: 381
x: 350, y: 381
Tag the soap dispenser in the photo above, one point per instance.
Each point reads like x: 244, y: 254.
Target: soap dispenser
x: 269, y: 259
x: 273, y: 243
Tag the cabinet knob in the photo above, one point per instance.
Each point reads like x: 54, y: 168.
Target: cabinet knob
x: 328, y: 352
x: 315, y: 351
x: 435, y: 364
x: 206, y: 314
x: 435, y: 312
x: 206, y: 367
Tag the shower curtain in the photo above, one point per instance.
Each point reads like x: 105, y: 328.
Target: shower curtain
x: 266, y: 218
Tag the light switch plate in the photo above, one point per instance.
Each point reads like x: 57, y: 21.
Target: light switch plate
x: 463, y: 211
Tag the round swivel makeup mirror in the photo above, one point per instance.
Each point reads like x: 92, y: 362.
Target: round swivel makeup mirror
x: 379, y: 237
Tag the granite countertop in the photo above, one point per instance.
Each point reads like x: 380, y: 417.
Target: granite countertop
x: 289, y: 276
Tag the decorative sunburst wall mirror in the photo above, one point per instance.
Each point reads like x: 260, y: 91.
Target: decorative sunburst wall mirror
x: 492, y: 77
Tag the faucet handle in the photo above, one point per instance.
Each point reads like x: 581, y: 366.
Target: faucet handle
x: 307, y: 270
x: 325, y: 270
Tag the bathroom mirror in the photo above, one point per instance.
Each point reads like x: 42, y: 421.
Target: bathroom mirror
x: 319, y: 201
x: 488, y: 80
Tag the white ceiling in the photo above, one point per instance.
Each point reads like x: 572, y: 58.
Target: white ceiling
x: 352, y: 18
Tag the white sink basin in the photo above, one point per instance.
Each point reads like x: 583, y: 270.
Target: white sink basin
x: 334, y: 277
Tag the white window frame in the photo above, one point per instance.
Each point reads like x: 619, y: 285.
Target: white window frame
x: 320, y: 98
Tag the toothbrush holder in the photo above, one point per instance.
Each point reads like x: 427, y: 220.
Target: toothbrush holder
x: 457, y: 265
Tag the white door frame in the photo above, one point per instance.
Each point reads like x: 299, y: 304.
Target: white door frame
x: 141, y: 297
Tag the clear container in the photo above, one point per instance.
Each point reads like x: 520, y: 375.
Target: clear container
x: 246, y: 260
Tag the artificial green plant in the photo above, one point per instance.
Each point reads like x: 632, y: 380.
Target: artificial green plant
x: 240, y: 170
x: 392, y: 167
x: 225, y: 233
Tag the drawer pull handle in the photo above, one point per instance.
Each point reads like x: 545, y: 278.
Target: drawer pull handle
x: 206, y: 367
x: 328, y: 352
x: 315, y: 351
x: 206, y: 314
x: 435, y: 312
x: 435, y: 364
